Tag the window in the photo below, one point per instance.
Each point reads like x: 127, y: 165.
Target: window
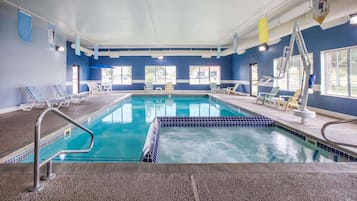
x: 106, y: 75
x: 119, y: 75
x: 122, y: 75
x: 160, y: 74
x: 339, y: 70
x: 294, y: 74
x: 205, y: 75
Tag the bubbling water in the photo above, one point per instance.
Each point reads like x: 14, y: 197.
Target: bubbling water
x: 230, y: 145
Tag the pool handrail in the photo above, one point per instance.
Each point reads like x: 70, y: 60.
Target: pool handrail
x: 37, y: 165
x: 323, y: 128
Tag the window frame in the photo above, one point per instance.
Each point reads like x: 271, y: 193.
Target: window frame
x: 112, y: 79
x: 287, y: 77
x: 156, y: 70
x: 209, y: 74
x: 325, y: 70
x: 122, y: 75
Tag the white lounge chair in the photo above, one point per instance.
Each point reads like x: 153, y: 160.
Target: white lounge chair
x: 74, y: 98
x: 107, y: 87
x: 233, y: 90
x: 94, y: 87
x: 37, y: 100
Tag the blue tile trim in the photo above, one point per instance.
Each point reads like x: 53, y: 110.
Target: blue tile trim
x: 247, y: 121
x: 335, y: 151
x: 29, y: 151
x: 321, y: 145
x: 292, y: 132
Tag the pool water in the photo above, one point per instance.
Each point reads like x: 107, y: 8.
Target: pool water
x: 120, y: 132
x: 234, y: 145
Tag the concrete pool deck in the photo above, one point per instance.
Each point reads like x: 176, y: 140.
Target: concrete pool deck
x: 138, y: 181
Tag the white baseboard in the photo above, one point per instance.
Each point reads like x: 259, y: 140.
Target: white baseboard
x: 331, y: 113
x: 9, y: 109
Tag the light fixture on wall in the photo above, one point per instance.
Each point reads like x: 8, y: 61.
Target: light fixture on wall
x: 160, y: 57
x: 263, y: 47
x: 59, y: 48
x: 353, y: 18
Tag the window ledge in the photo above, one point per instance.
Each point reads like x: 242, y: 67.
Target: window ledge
x: 339, y: 96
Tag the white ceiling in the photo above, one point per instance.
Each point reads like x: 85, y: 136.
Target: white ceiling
x: 156, y: 23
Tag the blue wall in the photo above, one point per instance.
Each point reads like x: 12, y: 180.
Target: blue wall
x: 83, y: 62
x: 27, y: 63
x: 182, y: 69
x: 316, y: 40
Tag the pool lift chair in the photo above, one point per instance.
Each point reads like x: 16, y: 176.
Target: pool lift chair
x: 283, y: 64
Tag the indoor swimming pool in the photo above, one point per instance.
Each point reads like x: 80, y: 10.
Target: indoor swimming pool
x: 121, y: 131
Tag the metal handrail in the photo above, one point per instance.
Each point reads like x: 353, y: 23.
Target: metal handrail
x: 37, y: 165
x: 337, y: 122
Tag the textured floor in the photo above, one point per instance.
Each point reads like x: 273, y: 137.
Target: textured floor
x: 160, y: 182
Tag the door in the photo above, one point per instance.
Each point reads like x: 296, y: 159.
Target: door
x: 75, y: 79
x: 254, y: 79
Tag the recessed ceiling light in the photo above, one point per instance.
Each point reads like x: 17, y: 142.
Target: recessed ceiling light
x: 353, y: 18
x: 59, y: 48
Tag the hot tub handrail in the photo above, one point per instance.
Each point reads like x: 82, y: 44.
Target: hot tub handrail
x: 37, y: 165
x: 333, y: 123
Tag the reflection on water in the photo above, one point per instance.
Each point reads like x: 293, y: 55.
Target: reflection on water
x: 121, y: 115
x: 152, y: 107
x: 234, y: 144
x: 121, y: 131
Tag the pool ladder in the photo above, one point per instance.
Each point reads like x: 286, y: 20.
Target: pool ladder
x: 337, y: 122
x: 37, y: 165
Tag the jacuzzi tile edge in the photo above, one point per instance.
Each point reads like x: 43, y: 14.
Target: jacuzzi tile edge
x: 150, y: 154
x: 26, y: 151
x: 319, y: 143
